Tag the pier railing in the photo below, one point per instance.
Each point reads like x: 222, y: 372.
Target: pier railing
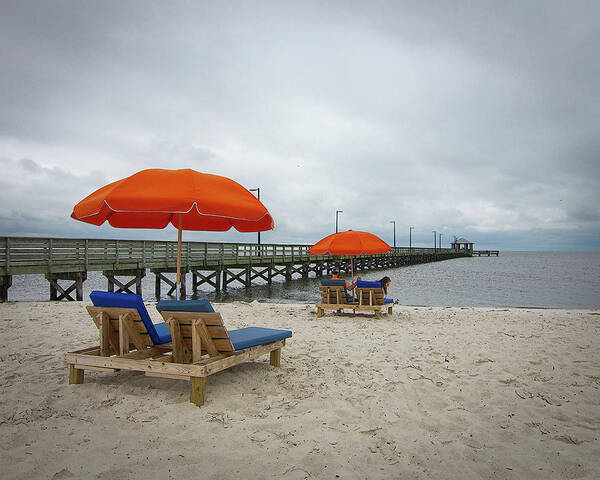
x: 212, y: 263
x: 28, y: 255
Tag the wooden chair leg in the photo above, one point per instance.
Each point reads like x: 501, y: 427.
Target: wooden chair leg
x: 198, y: 390
x: 320, y: 312
x: 389, y: 310
x: 276, y: 358
x: 377, y: 314
x: 75, y: 375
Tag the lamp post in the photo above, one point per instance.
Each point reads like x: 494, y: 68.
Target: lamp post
x: 394, y: 222
x: 257, y: 190
x: 337, y: 212
x: 434, y: 240
x: 440, y: 240
x: 410, y: 229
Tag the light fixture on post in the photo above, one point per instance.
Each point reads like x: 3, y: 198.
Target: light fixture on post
x: 257, y: 190
x: 337, y: 212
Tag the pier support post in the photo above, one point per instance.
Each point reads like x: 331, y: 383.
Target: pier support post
x: 160, y: 277
x: 65, y: 293
x: 288, y: 273
x: 5, y: 283
x: 213, y: 279
x: 243, y: 277
x: 136, y: 273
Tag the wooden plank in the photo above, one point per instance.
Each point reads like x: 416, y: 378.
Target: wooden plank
x: 333, y: 306
x: 81, y: 361
x: 114, y: 312
x: 209, y: 318
x: 208, y: 360
x: 198, y: 390
x: 89, y: 350
x: 275, y: 358
x: 105, y: 334
x: 166, y: 375
x: 125, y: 322
x: 102, y: 369
x: 242, y: 356
x: 185, y: 322
x: 123, y: 336
x: 75, y: 375
x: 176, y: 339
x: 151, y: 352
x: 164, y: 358
x: 213, y: 331
x: 196, y: 344
x: 210, y: 344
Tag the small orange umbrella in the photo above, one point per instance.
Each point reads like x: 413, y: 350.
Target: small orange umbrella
x: 186, y: 199
x: 350, y: 243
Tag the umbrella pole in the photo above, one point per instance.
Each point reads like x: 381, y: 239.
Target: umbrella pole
x: 178, y: 277
x: 352, y: 273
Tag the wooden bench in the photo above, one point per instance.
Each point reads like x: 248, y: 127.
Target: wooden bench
x: 191, y: 346
x: 371, y: 298
x: 201, y: 339
x: 334, y: 296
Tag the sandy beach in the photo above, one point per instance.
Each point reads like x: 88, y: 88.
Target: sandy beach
x: 452, y: 393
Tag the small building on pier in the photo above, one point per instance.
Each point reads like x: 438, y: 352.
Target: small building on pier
x: 462, y: 244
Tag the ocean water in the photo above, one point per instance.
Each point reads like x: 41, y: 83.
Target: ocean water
x: 514, y: 279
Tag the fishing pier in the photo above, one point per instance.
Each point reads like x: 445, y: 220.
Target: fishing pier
x: 486, y: 253
x: 125, y: 263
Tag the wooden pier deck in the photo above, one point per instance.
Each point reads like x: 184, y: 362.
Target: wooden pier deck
x: 216, y: 264
x: 486, y: 253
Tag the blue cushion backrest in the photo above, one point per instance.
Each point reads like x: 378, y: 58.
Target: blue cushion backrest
x: 337, y: 283
x: 202, y: 306
x: 126, y: 300
x: 365, y: 284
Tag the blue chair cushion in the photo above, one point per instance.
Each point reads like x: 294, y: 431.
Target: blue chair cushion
x: 159, y: 333
x: 365, y: 284
x: 253, y: 336
x: 333, y: 283
x: 388, y: 300
x: 202, y: 306
x: 163, y: 333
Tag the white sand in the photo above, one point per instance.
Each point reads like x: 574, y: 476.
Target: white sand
x: 424, y: 393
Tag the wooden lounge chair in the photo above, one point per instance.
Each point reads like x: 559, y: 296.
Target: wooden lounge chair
x: 130, y: 341
x: 200, y: 338
x: 334, y: 296
x: 371, y: 298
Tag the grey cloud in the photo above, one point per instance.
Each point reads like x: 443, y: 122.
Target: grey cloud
x: 472, y: 119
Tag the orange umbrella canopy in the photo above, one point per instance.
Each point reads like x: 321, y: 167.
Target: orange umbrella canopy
x: 350, y: 243
x: 154, y: 198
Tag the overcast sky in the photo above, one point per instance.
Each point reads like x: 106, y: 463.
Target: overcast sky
x: 474, y: 119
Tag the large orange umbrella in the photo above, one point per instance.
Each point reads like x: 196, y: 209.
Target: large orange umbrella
x: 186, y: 199
x: 351, y: 243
